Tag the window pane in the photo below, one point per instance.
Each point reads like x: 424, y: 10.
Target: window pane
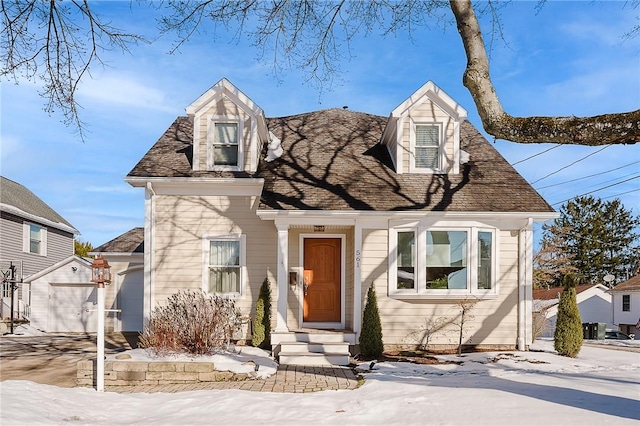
x: 427, y: 158
x: 446, y: 260
x: 35, y: 237
x: 427, y: 135
x: 224, y: 280
x: 224, y: 253
x: 225, y: 155
x: 427, y: 146
x: 626, y: 302
x: 484, y: 260
x: 226, y: 133
x: 406, y: 260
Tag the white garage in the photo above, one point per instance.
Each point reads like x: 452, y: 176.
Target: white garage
x: 72, y: 308
x: 131, y: 298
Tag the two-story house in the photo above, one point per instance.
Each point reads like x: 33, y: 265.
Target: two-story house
x: 33, y: 237
x: 326, y: 204
x: 626, y: 306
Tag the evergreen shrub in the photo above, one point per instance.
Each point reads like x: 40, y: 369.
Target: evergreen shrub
x: 567, y: 340
x: 262, y: 322
x: 371, y: 345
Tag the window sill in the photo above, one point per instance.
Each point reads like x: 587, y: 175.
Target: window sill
x: 443, y: 296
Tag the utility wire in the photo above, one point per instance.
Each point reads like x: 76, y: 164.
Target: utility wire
x: 569, y: 165
x: 585, y: 177
x: 622, y: 193
x: 596, y: 190
x: 535, y: 155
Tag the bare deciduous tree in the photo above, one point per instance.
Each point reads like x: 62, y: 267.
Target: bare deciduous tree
x: 41, y: 41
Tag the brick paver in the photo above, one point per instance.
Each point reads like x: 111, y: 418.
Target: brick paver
x: 288, y: 379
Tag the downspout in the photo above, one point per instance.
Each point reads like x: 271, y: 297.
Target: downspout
x: 525, y: 290
x: 149, y: 285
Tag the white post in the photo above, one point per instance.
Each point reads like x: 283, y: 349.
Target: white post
x: 100, y: 340
x: 283, y: 252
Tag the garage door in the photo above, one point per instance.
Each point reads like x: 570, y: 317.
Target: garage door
x: 131, y: 300
x: 72, y: 308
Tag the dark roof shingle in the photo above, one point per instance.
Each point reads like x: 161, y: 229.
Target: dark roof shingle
x: 333, y: 160
x: 131, y: 241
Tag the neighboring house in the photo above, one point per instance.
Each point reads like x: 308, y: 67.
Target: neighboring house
x: 125, y: 255
x: 626, y: 306
x: 33, y: 237
x: 594, y: 303
x: 325, y: 204
x: 63, y: 298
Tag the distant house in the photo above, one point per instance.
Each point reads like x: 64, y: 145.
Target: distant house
x: 626, y: 306
x: 125, y: 294
x: 33, y: 237
x: 594, y: 303
x: 63, y: 298
x: 326, y: 204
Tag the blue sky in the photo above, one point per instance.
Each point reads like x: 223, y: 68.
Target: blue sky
x: 569, y: 58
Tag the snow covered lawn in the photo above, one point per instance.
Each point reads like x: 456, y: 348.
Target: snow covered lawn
x: 599, y: 387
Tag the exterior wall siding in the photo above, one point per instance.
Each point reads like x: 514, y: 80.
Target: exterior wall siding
x: 59, y: 245
x: 410, y: 322
x: 180, y: 224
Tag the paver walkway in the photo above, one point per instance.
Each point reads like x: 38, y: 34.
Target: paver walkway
x: 288, y: 379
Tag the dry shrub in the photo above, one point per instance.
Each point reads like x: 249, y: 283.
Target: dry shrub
x: 191, y: 322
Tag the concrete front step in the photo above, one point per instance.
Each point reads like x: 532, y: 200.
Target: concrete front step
x: 313, y: 359
x: 313, y: 347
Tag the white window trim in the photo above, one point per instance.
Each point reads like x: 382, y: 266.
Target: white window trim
x: 412, y: 147
x: 212, y: 120
x: 206, y: 248
x: 420, y: 291
x: 26, y: 239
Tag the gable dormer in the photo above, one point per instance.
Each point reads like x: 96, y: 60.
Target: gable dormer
x: 229, y: 130
x: 423, y: 133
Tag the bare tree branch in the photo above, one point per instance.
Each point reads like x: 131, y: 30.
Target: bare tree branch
x: 55, y: 43
x: 620, y: 128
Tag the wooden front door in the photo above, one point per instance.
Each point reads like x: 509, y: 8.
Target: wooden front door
x: 322, y: 279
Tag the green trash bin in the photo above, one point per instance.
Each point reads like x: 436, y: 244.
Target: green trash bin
x: 601, y: 329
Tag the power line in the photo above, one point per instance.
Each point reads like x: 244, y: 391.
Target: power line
x: 622, y: 193
x: 585, y: 177
x: 569, y: 165
x: 535, y: 155
x: 596, y: 190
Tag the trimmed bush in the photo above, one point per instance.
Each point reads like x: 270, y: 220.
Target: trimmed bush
x: 262, y: 323
x: 567, y: 339
x: 371, y: 345
x: 191, y: 322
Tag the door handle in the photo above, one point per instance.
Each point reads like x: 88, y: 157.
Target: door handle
x: 305, y: 285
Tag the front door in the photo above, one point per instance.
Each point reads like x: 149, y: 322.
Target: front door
x: 322, y: 280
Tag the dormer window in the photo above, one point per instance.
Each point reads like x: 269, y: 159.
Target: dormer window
x: 426, y: 141
x: 225, y: 146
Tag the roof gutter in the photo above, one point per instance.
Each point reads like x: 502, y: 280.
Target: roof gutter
x: 58, y: 225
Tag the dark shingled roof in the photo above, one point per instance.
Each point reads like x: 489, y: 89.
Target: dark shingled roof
x: 131, y: 241
x: 333, y: 161
x: 554, y: 292
x: 632, y: 284
x: 15, y: 195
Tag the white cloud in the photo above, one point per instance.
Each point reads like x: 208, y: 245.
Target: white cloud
x: 123, y: 91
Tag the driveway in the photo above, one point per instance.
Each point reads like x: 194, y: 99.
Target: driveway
x: 52, y: 359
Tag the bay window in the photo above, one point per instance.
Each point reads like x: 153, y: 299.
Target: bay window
x: 428, y: 261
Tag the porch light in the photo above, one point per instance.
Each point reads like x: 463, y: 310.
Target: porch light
x: 100, y: 275
x: 100, y: 271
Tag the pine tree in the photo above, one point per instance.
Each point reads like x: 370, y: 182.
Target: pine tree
x: 262, y: 321
x: 567, y: 339
x: 590, y: 239
x: 371, y: 345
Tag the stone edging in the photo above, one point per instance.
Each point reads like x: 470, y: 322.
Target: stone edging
x: 136, y: 373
